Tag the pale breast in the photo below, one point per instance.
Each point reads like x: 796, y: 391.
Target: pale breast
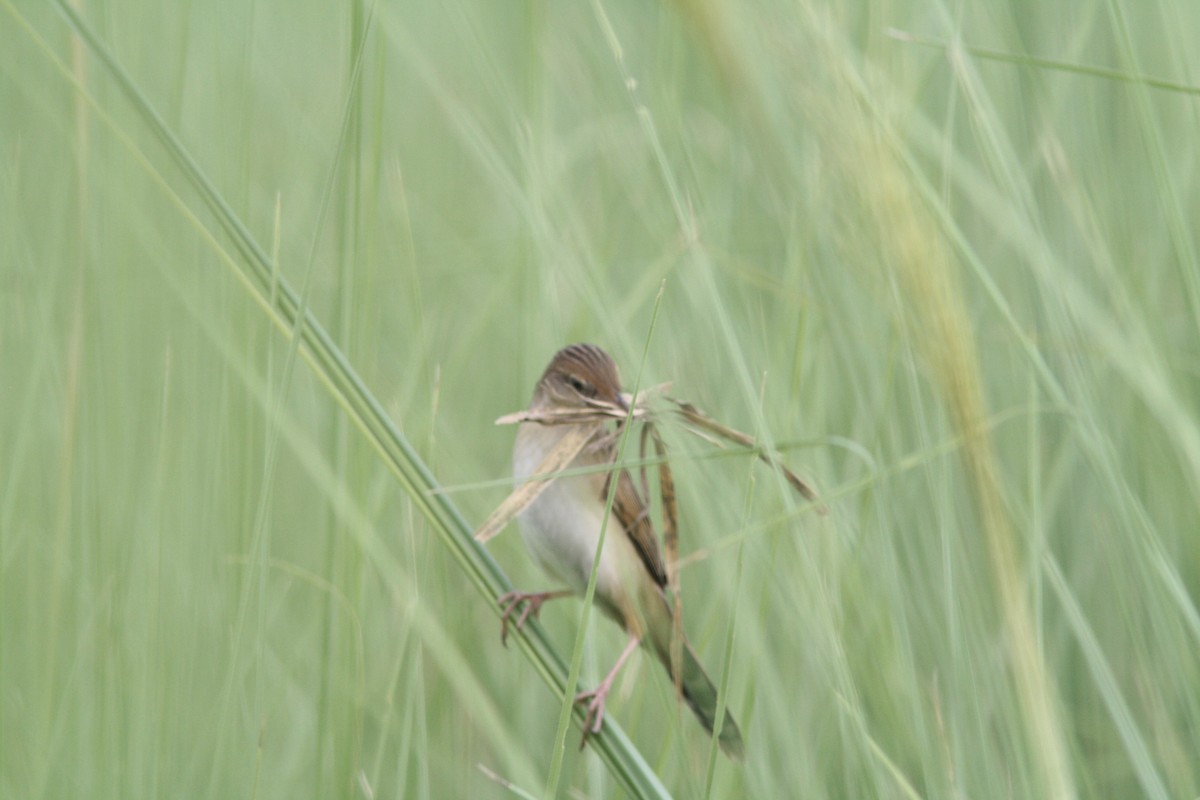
x: 561, y: 527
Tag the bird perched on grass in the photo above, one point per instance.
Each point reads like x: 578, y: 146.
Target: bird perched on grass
x: 561, y: 531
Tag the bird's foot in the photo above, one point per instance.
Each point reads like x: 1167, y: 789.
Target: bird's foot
x: 595, y: 709
x: 594, y: 717
x: 533, y: 601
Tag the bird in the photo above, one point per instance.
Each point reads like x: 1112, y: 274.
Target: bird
x: 561, y: 530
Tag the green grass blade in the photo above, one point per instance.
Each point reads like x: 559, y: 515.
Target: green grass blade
x: 368, y: 415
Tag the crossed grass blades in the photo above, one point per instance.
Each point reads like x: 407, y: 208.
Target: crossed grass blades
x: 588, y: 429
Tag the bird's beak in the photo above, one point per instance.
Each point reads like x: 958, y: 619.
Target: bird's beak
x: 624, y: 400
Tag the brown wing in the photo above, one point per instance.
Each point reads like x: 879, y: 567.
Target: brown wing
x: 630, y: 509
x: 635, y: 519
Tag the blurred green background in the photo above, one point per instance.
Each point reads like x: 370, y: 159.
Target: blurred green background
x: 961, y: 292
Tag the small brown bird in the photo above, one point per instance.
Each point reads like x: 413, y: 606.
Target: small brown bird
x: 561, y: 530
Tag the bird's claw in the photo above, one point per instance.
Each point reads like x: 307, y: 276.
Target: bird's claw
x: 512, y: 600
x: 594, y: 717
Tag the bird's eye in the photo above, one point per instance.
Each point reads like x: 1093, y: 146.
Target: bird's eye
x: 583, y: 387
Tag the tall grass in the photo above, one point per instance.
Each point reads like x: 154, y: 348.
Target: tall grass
x: 268, y: 275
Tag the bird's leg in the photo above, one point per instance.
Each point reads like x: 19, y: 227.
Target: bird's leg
x: 511, y: 600
x: 596, y: 697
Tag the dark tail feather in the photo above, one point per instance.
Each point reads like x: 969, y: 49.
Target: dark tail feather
x: 701, y: 697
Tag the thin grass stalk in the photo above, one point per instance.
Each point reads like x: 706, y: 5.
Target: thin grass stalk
x: 590, y: 593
